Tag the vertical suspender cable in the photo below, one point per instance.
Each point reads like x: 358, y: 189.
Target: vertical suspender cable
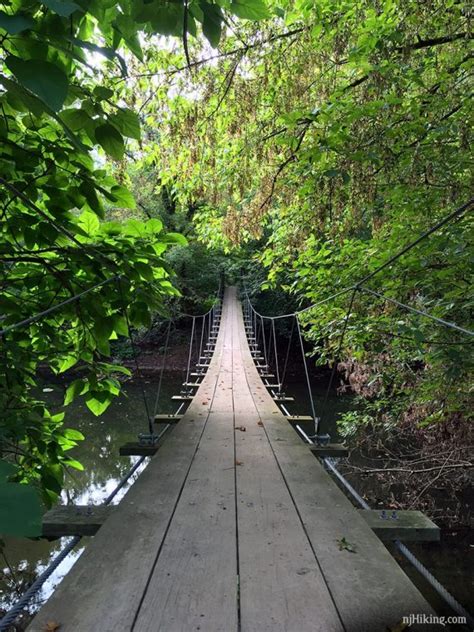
x: 135, y: 355
x: 264, y: 341
x: 276, y: 355
x: 288, y: 352
x: 190, y: 349
x: 308, y: 383
x: 339, y: 347
x: 202, y: 336
x: 160, y: 381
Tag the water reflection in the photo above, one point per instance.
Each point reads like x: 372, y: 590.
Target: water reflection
x: 25, y: 559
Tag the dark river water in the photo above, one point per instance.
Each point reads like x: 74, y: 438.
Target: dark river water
x: 24, y: 559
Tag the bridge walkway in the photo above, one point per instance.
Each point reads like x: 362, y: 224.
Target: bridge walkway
x: 233, y: 526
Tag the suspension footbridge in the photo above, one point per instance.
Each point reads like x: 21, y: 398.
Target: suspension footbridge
x: 234, y: 525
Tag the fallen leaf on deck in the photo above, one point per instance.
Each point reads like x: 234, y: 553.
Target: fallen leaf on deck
x: 238, y: 462
x: 344, y: 545
x: 52, y: 626
x: 259, y: 423
x: 241, y: 428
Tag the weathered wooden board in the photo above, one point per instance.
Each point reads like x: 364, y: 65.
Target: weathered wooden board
x: 409, y: 526
x: 105, y: 587
x: 163, y: 418
x: 233, y: 492
x: 369, y: 589
x: 66, y: 520
x: 277, y: 565
x: 134, y: 448
x: 331, y: 449
x: 297, y: 419
x: 194, y: 582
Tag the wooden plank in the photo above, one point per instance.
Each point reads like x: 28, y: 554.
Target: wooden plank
x: 337, y: 450
x: 191, y: 384
x: 182, y: 398
x: 296, y: 419
x: 134, y: 448
x: 168, y: 553
x: 194, y: 583
x: 277, y: 566
x: 410, y: 526
x: 167, y: 419
x: 104, y: 588
x: 283, y: 398
x: 68, y: 520
x: 369, y: 589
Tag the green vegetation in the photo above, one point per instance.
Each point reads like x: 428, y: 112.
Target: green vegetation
x: 304, y: 141
x: 324, y: 140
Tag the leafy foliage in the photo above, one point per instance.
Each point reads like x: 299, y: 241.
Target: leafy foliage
x: 327, y: 138
x: 67, y: 121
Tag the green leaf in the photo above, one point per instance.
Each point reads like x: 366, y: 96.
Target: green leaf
x: 110, y: 140
x: 175, y: 238
x: 122, y: 196
x: 144, y: 270
x: 127, y: 122
x: 68, y: 362
x: 212, y: 23
x: 102, y: 93
x: 44, y: 79
x: 249, y: 9
x: 98, y: 401
x: 136, y: 228
x: 103, y: 327
x: 78, y: 387
x: 154, y: 225
x: 6, y: 470
x: 74, y: 435
x: 75, y: 464
x: 64, y: 8
x: 14, y: 24
x: 89, y: 222
x: 76, y: 118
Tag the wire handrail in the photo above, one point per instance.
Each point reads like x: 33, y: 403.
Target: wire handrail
x: 358, y: 286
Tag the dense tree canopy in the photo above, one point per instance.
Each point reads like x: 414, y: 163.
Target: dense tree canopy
x: 316, y: 136
x: 65, y: 131
x: 327, y: 138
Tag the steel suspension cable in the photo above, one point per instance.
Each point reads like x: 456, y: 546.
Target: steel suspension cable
x: 446, y: 323
x: 135, y: 358
x: 338, y: 350
x: 288, y: 350
x: 190, y: 349
x: 160, y: 381
x: 46, y: 312
x: 306, y: 372
x: 262, y: 325
x: 276, y: 356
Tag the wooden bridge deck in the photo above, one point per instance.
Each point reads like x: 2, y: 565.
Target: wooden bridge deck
x: 234, y: 525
